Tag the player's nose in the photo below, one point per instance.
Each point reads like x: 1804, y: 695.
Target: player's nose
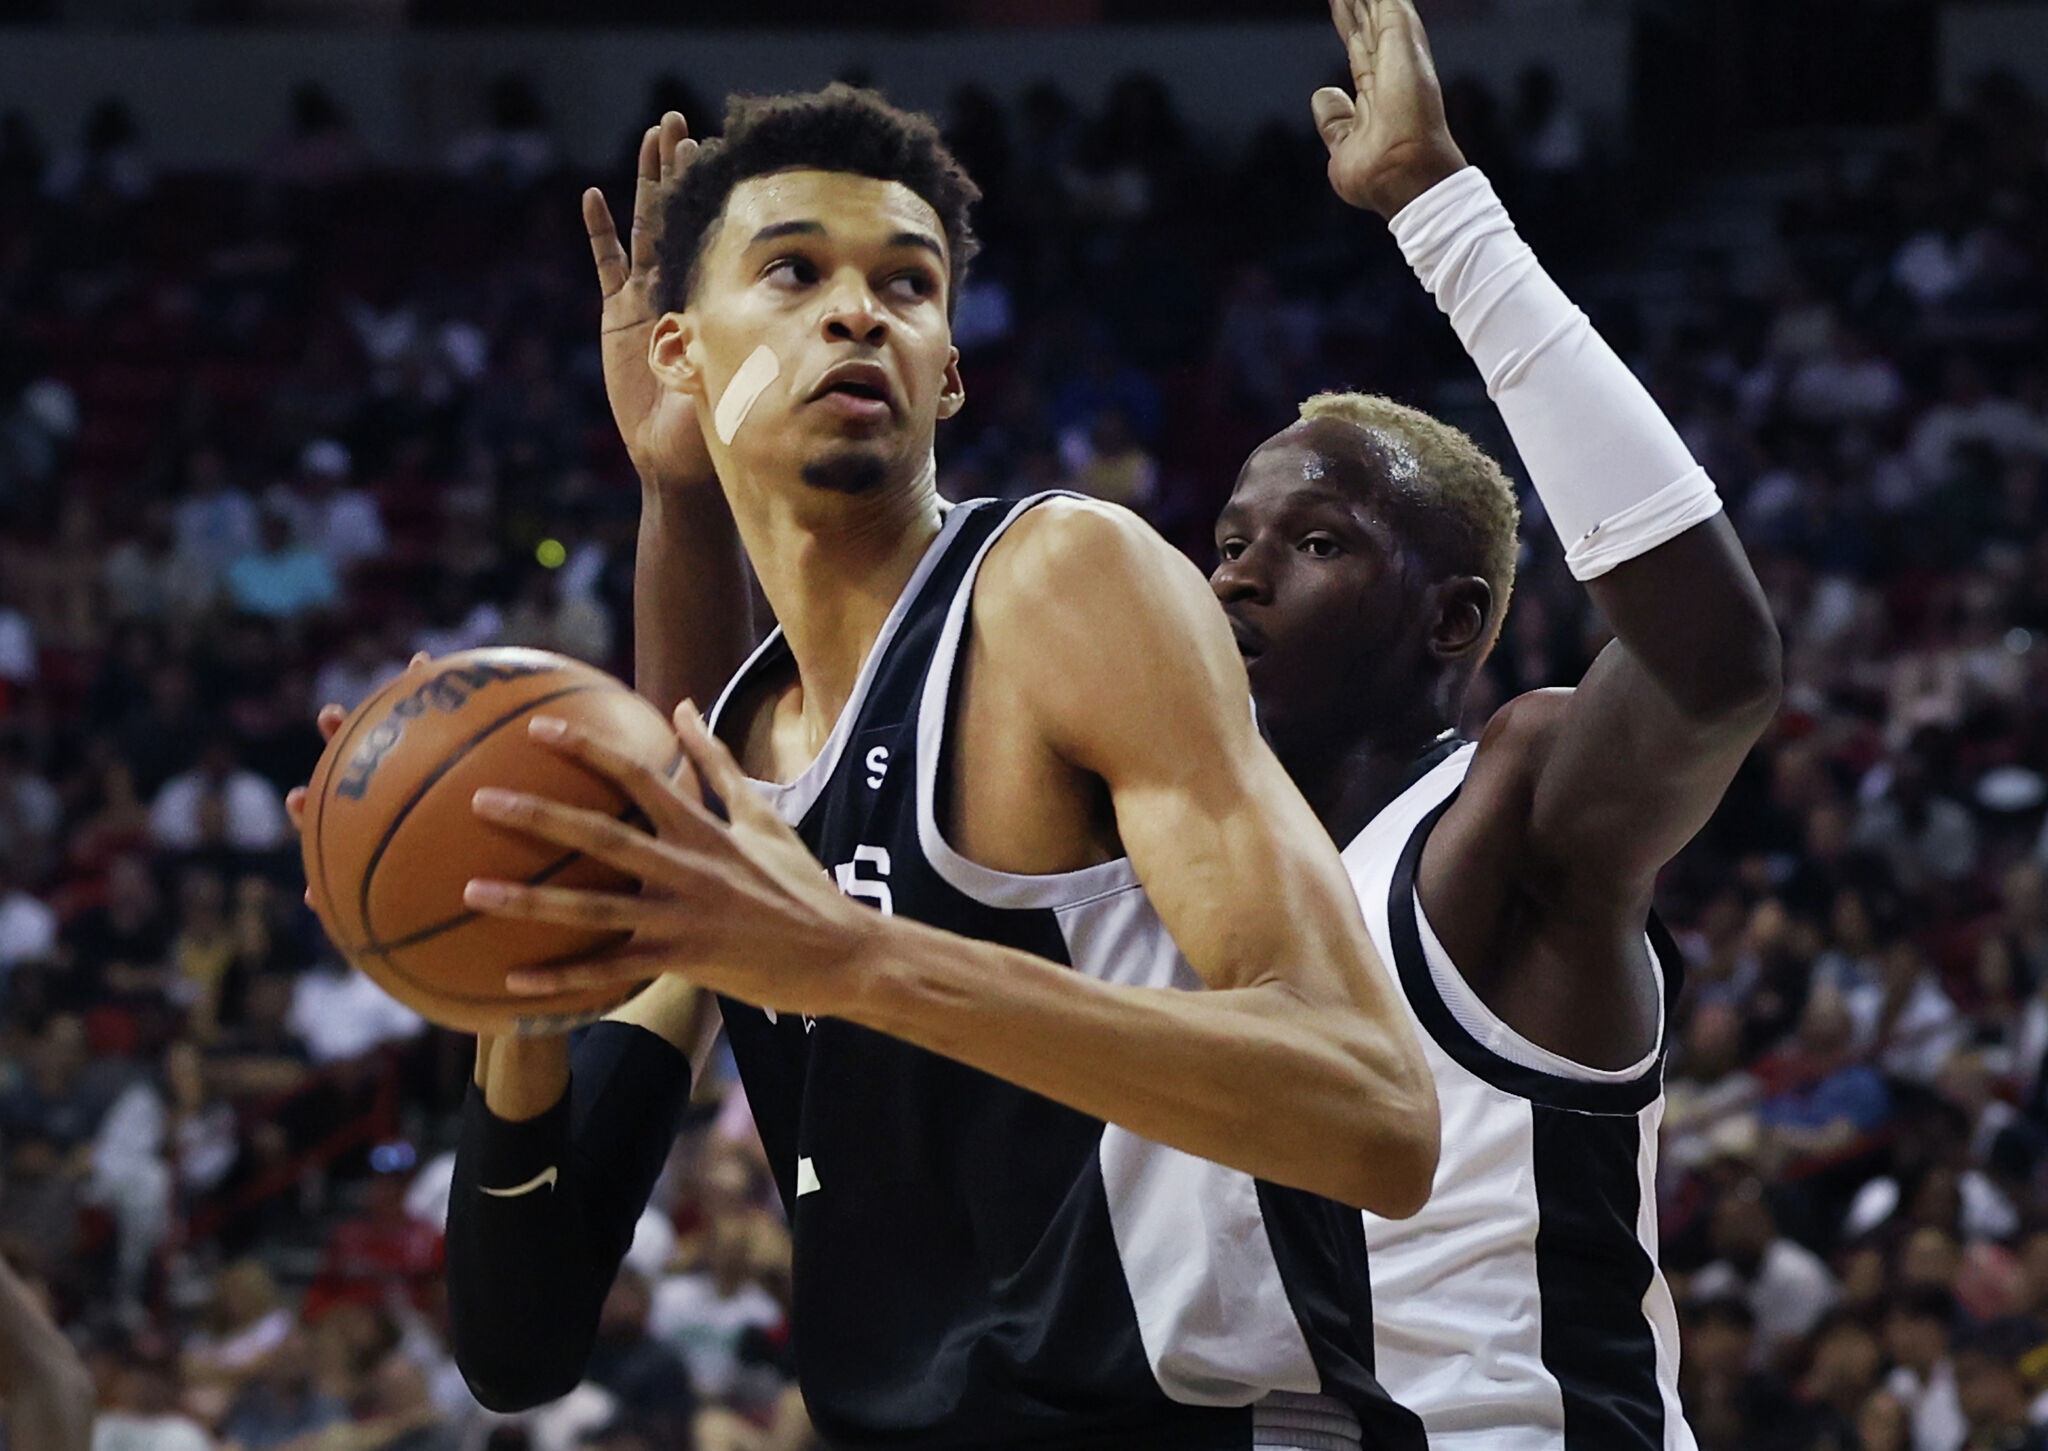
x: 1241, y: 579
x: 854, y: 314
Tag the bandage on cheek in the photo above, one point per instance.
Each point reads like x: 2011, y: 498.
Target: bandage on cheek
x: 760, y: 369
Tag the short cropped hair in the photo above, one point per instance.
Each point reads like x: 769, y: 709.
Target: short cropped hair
x: 839, y: 128
x: 1457, y: 478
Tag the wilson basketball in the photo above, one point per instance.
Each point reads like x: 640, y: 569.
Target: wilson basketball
x: 390, y: 840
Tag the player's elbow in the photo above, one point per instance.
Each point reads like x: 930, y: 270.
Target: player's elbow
x: 1395, y: 1168
x: 511, y: 1383
x: 1739, y: 684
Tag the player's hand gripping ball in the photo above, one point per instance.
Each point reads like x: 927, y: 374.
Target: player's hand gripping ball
x: 389, y: 837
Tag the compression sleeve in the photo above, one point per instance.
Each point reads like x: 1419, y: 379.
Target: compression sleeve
x: 1613, y: 474
x: 542, y: 1212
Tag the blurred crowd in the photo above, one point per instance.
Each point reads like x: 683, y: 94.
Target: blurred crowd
x: 263, y: 434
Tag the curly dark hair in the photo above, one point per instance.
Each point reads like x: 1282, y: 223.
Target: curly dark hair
x: 840, y: 128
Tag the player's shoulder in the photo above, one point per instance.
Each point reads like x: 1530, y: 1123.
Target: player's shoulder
x: 1516, y: 741
x: 1068, y: 541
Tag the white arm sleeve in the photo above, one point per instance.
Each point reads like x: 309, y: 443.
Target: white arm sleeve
x: 1613, y: 474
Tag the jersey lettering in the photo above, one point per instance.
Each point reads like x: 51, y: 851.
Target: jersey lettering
x: 878, y: 767
x: 867, y: 889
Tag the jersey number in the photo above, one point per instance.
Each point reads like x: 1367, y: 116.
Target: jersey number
x: 867, y: 889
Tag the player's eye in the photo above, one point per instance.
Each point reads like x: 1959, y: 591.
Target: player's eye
x: 790, y: 272
x: 1232, y: 548
x: 1321, y: 546
x: 913, y: 286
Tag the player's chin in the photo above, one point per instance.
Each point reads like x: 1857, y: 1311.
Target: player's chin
x: 850, y: 467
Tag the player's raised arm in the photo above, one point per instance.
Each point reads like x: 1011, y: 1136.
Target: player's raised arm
x: 692, y: 609
x: 1613, y: 782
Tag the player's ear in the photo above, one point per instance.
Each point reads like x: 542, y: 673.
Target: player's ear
x: 952, y: 392
x: 674, y: 355
x: 1463, y: 604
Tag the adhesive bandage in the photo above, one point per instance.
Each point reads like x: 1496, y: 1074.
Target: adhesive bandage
x: 760, y: 369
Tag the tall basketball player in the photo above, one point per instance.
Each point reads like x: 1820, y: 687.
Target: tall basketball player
x: 1366, y: 558
x: 1083, y: 985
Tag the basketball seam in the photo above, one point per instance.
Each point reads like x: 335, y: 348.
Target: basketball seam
x: 419, y: 794
x: 340, y: 746
x: 632, y: 816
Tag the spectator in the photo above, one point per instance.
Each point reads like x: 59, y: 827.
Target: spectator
x: 327, y: 514
x: 214, y: 524
x: 1785, y: 1285
x: 280, y: 1402
x: 651, y: 1384
x: 280, y: 579
x: 140, y: 1408
x: 705, y: 1316
x: 218, y: 804
x: 1923, y: 1377
x: 28, y: 927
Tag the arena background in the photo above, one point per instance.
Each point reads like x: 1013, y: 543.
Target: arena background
x: 298, y: 374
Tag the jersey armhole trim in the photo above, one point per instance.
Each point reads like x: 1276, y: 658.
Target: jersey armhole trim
x: 1627, y: 1096
x: 1054, y: 891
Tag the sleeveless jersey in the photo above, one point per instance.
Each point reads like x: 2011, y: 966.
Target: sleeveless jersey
x: 975, y: 1265
x: 1522, y: 1309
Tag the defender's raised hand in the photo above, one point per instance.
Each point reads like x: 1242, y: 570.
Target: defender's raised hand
x: 659, y: 426
x: 1389, y: 142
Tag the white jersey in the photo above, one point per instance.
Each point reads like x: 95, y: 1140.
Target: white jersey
x: 1522, y: 1309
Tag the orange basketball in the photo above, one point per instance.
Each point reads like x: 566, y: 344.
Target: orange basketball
x: 390, y: 840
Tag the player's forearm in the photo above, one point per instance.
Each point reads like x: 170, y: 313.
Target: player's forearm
x: 692, y: 607
x: 1317, y: 1096
x: 48, y: 1392
x: 543, y: 1210
x: 1636, y: 513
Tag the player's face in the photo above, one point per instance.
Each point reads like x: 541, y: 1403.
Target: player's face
x: 843, y: 279
x: 1319, y: 591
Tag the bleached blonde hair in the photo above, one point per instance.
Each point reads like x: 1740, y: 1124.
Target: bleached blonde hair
x: 1451, y: 473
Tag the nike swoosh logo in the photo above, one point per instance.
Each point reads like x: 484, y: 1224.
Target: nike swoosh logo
x: 545, y: 1179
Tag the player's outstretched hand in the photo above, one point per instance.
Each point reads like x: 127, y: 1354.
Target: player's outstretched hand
x: 1388, y: 140
x: 659, y: 426
x: 738, y: 905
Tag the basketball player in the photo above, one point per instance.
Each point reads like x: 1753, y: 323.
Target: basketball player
x: 1366, y: 557
x: 1033, y: 1170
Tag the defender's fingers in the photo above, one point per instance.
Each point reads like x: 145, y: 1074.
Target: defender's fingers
x: 674, y: 131
x: 657, y: 792
x: 605, y: 250
x: 1335, y: 113
x: 650, y: 154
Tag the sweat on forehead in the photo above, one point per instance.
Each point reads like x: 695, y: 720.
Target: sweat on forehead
x: 1364, y: 462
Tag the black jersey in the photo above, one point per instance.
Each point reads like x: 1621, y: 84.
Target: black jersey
x: 975, y: 1265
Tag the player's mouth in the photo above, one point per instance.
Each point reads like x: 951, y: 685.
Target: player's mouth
x: 856, y: 390
x: 1250, y: 643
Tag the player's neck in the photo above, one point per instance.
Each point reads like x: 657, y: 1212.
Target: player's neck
x: 832, y: 567
x: 1349, y: 782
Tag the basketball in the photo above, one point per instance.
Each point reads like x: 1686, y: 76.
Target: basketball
x: 390, y: 839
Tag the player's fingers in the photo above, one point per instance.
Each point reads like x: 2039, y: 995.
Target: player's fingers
x: 628, y: 967
x: 1335, y: 113
x: 657, y: 792
x: 650, y: 154
x: 605, y: 249
x: 674, y: 131
x: 329, y: 720
x: 715, y: 767
x: 606, y: 838
x: 295, y: 806
x: 647, y: 207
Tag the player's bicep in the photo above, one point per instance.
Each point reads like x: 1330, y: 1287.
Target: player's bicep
x: 1159, y: 709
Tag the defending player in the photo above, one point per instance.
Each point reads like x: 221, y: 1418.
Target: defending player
x: 1366, y: 559
x: 1019, y: 731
